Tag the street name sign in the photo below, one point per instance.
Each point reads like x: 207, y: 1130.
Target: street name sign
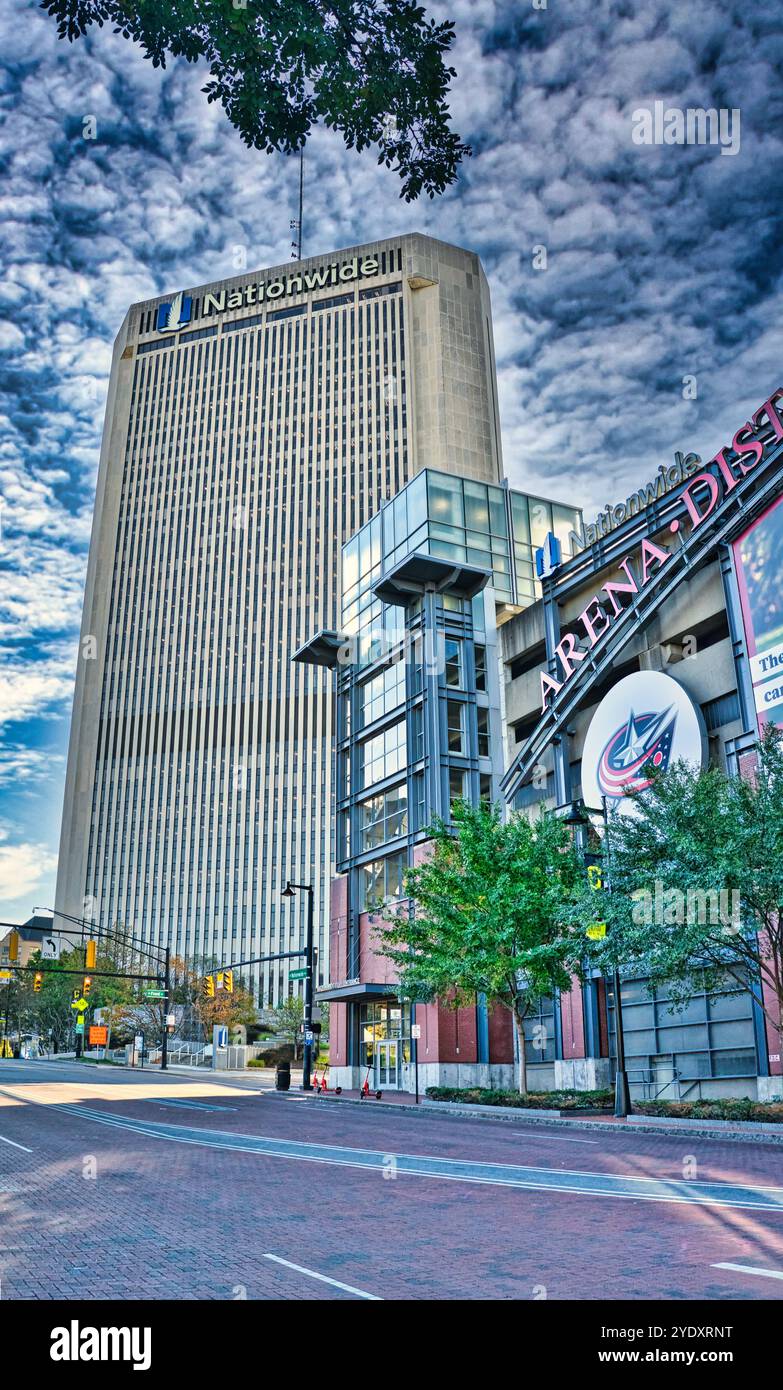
x: 300, y: 973
x: 154, y: 994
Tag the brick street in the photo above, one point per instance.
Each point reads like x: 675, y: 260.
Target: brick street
x: 140, y: 1185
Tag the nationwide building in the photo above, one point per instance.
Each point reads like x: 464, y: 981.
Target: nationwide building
x: 652, y: 633
x: 252, y: 426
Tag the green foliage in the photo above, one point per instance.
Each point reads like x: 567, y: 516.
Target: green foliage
x: 533, y: 1100
x: 373, y: 70
x: 289, y: 1018
x: 732, y: 1108
x: 491, y: 913
x: 697, y: 834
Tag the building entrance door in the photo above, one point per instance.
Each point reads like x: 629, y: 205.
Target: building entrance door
x: 387, y: 1065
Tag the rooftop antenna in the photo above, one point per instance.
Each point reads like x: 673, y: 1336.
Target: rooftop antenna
x: 297, y: 223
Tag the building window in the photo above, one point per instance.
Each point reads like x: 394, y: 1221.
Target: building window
x: 382, y: 694
x: 455, y: 726
x: 456, y: 785
x: 485, y: 786
x: 453, y: 663
x: 383, y: 755
x: 420, y: 802
x: 483, y: 732
x: 382, y: 880
x: 417, y: 733
x: 384, y: 817
x: 481, y: 667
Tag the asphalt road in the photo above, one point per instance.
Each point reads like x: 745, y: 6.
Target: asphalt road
x: 118, y: 1184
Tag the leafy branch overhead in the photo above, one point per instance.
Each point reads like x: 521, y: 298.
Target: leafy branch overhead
x: 372, y: 69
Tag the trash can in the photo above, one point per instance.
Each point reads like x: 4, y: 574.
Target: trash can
x: 283, y: 1076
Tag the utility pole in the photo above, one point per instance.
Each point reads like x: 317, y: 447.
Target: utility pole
x: 290, y: 891
x: 164, y: 1046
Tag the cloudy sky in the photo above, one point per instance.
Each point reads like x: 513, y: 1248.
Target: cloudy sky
x: 663, y: 262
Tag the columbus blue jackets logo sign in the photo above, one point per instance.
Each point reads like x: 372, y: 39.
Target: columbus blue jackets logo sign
x: 642, y: 743
x: 646, y: 723
x: 174, y: 315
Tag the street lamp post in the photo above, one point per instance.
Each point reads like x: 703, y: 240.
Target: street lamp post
x: 578, y: 818
x: 164, y: 1042
x: 290, y: 891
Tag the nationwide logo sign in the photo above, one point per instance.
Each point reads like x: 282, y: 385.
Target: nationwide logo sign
x: 178, y: 312
x: 614, y: 514
x: 174, y: 315
x: 700, y: 498
x: 643, y: 725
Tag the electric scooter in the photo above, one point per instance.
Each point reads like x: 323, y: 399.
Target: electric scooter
x: 365, y: 1090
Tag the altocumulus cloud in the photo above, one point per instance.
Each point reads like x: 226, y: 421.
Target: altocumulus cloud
x: 662, y: 262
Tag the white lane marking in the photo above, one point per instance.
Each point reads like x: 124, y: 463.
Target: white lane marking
x: 14, y: 1144
x: 751, y: 1269
x: 324, y: 1278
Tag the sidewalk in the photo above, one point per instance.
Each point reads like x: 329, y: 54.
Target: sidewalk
x: 744, y: 1131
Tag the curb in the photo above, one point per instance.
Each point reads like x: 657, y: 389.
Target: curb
x: 754, y: 1133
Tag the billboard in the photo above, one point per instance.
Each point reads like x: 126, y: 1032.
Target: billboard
x: 758, y: 559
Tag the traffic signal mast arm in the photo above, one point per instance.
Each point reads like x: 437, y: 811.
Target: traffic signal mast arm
x: 89, y: 929
x: 223, y: 977
x: 43, y: 967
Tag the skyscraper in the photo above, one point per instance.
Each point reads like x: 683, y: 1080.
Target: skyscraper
x: 252, y: 426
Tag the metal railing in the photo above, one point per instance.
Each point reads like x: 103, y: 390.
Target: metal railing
x: 650, y: 1077
x: 189, y: 1055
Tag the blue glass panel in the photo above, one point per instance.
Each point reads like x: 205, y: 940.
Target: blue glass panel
x: 445, y: 499
x: 476, y: 506
x: 497, y: 512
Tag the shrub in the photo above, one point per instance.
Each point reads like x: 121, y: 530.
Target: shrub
x: 533, y: 1100
x: 728, y: 1108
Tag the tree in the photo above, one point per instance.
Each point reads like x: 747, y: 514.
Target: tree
x: 696, y: 874
x: 372, y: 69
x: 289, y: 1018
x: 491, y: 915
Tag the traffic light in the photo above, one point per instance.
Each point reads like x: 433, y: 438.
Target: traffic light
x: 208, y: 987
x: 228, y: 981
x: 86, y: 985
x: 91, y: 955
x: 13, y: 946
x: 37, y: 981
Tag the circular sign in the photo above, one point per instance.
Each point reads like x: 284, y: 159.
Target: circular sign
x: 647, y: 721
